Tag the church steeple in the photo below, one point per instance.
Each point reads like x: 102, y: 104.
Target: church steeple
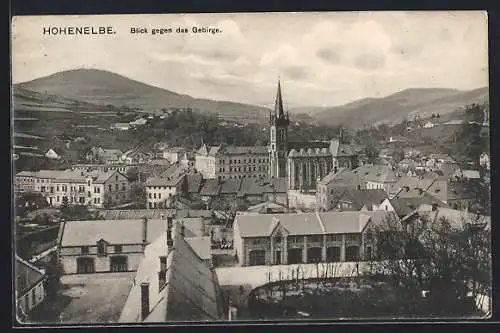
x: 278, y: 104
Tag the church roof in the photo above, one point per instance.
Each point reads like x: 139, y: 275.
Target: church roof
x: 278, y: 105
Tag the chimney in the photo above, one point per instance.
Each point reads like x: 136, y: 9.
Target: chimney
x: 144, y: 232
x: 434, y: 207
x: 144, y: 300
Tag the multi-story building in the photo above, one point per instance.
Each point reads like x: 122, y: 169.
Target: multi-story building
x: 93, y: 188
x: 281, y: 239
x: 161, y: 190
x: 232, y: 162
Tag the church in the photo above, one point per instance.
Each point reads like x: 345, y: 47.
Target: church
x: 303, y: 163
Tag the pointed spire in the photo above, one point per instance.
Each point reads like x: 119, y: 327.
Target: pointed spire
x: 278, y: 105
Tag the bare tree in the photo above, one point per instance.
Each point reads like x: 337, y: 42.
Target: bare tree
x: 446, y: 258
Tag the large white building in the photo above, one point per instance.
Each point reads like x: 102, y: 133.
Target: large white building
x: 232, y: 162
x: 93, y: 188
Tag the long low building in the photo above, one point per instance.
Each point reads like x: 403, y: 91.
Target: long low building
x: 278, y: 239
x: 99, y: 246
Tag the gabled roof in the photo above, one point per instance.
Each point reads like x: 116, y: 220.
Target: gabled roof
x: 191, y: 292
x: 360, y: 198
x: 308, y: 223
x: 457, y: 218
x: 265, y: 206
x: 230, y: 186
x: 404, y: 206
x: 27, y: 276
x: 193, y: 182
x: 210, y: 188
x: 87, y: 233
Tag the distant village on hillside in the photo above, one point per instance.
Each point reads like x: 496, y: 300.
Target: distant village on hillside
x: 156, y: 232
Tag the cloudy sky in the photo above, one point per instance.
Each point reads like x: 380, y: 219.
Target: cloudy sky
x: 322, y: 59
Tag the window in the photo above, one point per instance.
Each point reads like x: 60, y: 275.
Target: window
x: 118, y: 249
x: 116, y: 187
x: 149, y: 195
x: 57, y: 188
x: 116, y: 178
x: 159, y: 195
x: 162, y: 280
x: 257, y: 257
x: 84, y: 250
x: 314, y: 239
x: 154, y: 195
x: 110, y: 188
x: 163, y: 264
x: 89, y: 194
x: 256, y: 241
x: 101, y: 248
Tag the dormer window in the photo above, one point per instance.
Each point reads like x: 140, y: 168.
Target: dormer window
x: 101, y: 248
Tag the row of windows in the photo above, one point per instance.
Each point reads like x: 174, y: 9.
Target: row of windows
x: 160, y: 187
x: 243, y: 176
x: 245, y: 169
x: 255, y: 160
x: 101, y: 249
x: 71, y: 199
x: 314, y: 238
x: 157, y: 195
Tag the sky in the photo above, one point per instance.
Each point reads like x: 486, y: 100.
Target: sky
x: 321, y: 59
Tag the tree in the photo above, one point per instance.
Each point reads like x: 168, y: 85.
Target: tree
x: 447, y: 258
x: 138, y: 194
x: 371, y: 153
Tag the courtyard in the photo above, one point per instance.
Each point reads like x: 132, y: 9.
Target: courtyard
x: 86, y: 298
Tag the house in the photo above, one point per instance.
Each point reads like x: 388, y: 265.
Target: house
x: 52, y: 155
x: 99, y: 246
x: 103, y: 156
x: 377, y: 177
x: 93, y: 188
x: 484, y: 161
x: 404, y: 206
x: 428, y: 125
x: 120, y: 127
x: 29, y: 287
x: 25, y: 181
x: 456, y: 194
x: 174, y: 154
x: 138, y: 123
x: 284, y: 239
x: 162, y: 190
x: 397, y: 138
x: 362, y: 199
x: 173, y: 283
x: 458, y: 219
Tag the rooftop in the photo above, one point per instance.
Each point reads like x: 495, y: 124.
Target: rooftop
x: 191, y: 288
x: 308, y: 223
x: 27, y: 275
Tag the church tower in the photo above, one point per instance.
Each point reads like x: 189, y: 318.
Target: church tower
x: 278, y: 143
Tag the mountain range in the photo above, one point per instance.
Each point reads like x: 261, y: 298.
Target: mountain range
x: 92, y: 88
